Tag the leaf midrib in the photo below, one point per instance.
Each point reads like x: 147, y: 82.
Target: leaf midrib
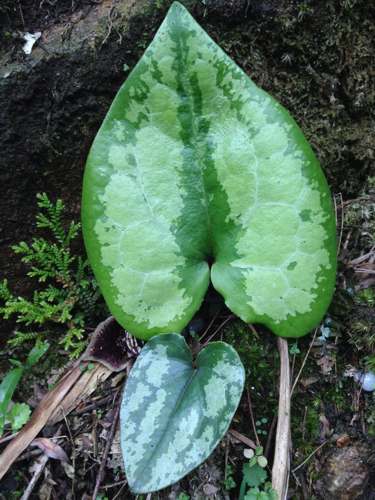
x: 187, y: 385
x: 191, y: 107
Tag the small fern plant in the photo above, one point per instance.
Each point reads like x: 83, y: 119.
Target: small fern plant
x: 71, y: 293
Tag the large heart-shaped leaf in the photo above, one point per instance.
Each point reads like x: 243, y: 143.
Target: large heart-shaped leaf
x: 173, y: 413
x: 193, y: 165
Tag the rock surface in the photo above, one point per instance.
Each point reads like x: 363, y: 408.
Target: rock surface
x: 52, y: 103
x: 344, y: 474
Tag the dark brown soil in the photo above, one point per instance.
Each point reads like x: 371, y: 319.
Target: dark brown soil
x: 31, y: 16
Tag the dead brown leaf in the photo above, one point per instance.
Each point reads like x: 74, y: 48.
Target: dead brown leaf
x: 325, y: 364
x: 308, y: 381
x: 323, y: 429
x: 51, y: 449
x: 86, y: 442
x: 243, y: 438
x: 343, y: 441
x: 69, y: 470
x: 209, y: 489
x: 45, y: 490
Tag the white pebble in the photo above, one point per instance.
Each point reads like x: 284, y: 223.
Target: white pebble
x: 369, y: 380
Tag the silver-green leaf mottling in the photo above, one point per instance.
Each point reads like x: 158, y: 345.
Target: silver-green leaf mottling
x: 173, y: 413
x: 194, y: 163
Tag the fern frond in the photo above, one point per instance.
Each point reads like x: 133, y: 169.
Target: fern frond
x: 4, y: 293
x: 21, y: 337
x: 72, y: 233
x: 54, y: 220
x: 72, y: 300
x: 78, y: 348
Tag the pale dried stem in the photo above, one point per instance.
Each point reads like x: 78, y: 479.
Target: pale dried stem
x: 308, y: 458
x: 23, y: 20
x: 304, y: 361
x: 120, y: 490
x: 39, y: 418
x: 342, y: 224
x: 251, y: 413
x: 335, y: 208
x: 362, y: 258
x: 209, y: 326
x: 281, y: 464
x: 294, y: 360
x: 36, y: 476
x: 221, y: 326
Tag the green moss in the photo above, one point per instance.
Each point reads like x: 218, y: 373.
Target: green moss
x: 262, y: 366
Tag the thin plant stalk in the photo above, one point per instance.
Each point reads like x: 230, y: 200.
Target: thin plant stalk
x: 281, y: 464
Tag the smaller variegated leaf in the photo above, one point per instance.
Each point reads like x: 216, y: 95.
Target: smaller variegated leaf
x: 174, y: 413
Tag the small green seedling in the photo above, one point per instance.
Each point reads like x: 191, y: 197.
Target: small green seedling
x: 11, y: 380
x: 256, y: 494
x: 183, y: 496
x: 19, y: 415
x: 258, y: 423
x: 88, y: 368
x: 255, y: 476
x: 294, y: 349
x: 229, y: 481
x: 256, y: 457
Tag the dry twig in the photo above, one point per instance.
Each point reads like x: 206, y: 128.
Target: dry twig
x: 209, y: 326
x: 120, y: 490
x: 74, y: 454
x: 253, y: 330
x: 221, y: 326
x: 270, y: 438
x: 106, y: 451
x: 93, y: 406
x: 251, y: 413
x: 362, y: 258
x: 38, y: 471
x: 308, y: 458
x: 304, y: 361
x: 281, y: 464
x: 23, y: 20
x: 294, y: 360
x: 242, y: 438
x: 304, y: 423
x: 107, y: 486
